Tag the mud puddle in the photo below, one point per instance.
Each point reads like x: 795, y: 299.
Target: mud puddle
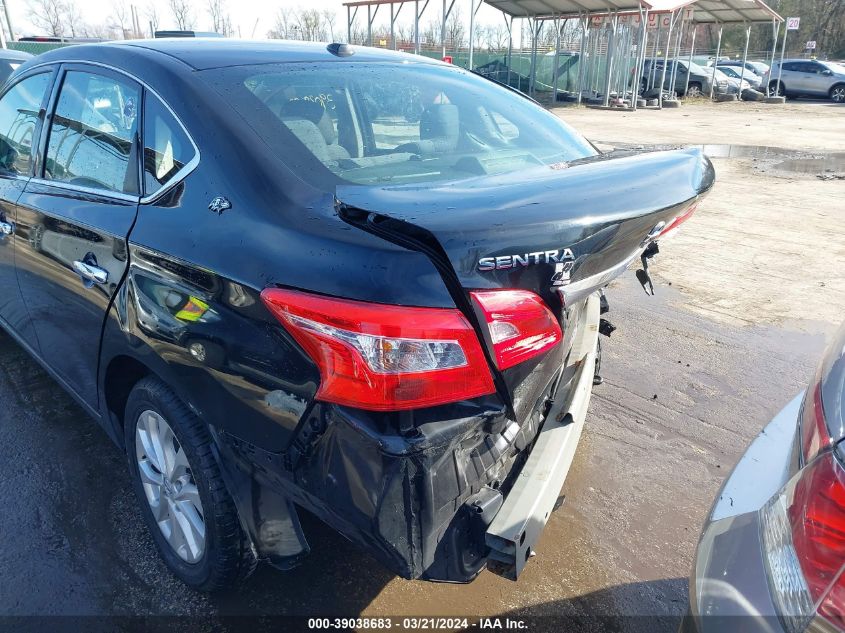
x: 776, y: 161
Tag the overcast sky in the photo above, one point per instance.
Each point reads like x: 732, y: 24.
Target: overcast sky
x: 250, y: 18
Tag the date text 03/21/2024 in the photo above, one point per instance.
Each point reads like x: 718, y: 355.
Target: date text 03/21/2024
x: 418, y: 624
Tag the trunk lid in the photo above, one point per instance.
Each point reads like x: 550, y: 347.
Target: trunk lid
x: 556, y: 230
x: 497, y: 233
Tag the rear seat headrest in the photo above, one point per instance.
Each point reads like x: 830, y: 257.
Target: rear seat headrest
x: 314, y: 112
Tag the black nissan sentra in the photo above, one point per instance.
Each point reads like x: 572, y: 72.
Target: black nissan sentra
x: 288, y: 276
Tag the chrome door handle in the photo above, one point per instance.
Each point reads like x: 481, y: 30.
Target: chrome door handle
x: 7, y: 228
x: 91, y: 272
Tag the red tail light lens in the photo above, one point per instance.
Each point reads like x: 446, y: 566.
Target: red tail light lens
x: 803, y: 529
x: 817, y: 516
x: 814, y: 434
x: 673, y: 225
x: 520, y: 324
x: 384, y: 357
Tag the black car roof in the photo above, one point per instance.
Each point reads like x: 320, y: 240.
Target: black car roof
x: 12, y: 55
x: 204, y: 53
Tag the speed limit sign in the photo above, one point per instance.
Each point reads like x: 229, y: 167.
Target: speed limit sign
x: 792, y: 24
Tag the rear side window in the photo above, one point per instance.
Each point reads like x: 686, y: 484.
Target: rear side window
x: 18, y: 120
x: 92, y: 131
x: 394, y: 122
x: 167, y: 149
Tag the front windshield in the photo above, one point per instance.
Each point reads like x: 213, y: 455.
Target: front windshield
x: 378, y: 123
x: 837, y: 68
x: 696, y: 69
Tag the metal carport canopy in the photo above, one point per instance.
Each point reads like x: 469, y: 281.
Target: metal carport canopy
x: 705, y: 11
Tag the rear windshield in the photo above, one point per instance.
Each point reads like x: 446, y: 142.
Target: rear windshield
x: 380, y: 123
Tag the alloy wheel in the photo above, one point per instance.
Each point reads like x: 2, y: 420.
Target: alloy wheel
x: 838, y: 94
x: 169, y: 486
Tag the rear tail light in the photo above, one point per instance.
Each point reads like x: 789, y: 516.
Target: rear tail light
x: 814, y: 434
x: 675, y: 222
x: 384, y: 357
x: 803, y: 529
x: 521, y: 326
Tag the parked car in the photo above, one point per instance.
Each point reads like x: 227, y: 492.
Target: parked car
x: 286, y: 275
x: 700, y: 78
x: 754, y: 81
x: 9, y: 62
x: 773, y: 548
x: 731, y: 85
x: 807, y: 77
x: 758, y: 68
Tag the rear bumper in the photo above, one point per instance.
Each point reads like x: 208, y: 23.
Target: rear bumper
x: 523, y: 515
x: 433, y: 502
x: 729, y: 589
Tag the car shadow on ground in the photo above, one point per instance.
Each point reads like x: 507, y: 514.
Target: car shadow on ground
x: 627, y: 608
x: 84, y: 549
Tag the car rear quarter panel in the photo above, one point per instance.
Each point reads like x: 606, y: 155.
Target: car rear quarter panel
x: 245, y: 375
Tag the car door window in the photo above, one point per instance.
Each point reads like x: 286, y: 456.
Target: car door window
x: 167, y: 148
x: 90, y: 142
x: 19, y: 109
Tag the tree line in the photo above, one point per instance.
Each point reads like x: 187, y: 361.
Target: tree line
x: 822, y: 21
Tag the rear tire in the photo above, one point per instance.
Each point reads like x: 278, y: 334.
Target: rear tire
x: 837, y: 93
x: 182, y: 491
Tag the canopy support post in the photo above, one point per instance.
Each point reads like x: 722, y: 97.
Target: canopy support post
x: 611, y: 41
x: 775, y: 34
x: 744, y: 59
x: 691, y: 53
x: 780, y: 67
x: 716, y: 61
x: 584, y: 21
x: 555, y: 74
x: 666, y: 60
x: 509, y: 25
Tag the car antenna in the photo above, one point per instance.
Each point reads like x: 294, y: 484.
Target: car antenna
x: 340, y: 50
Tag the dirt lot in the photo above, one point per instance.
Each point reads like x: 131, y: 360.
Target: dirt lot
x: 692, y: 374
x: 752, y: 254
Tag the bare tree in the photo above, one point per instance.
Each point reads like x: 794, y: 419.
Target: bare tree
x: 73, y: 19
x: 496, y: 37
x: 284, y: 25
x: 151, y: 14
x: 119, y: 18
x: 183, y: 14
x: 310, y: 22
x: 329, y: 18
x: 216, y: 9
x: 48, y: 15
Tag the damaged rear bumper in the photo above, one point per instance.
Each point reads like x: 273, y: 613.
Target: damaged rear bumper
x: 523, y: 515
x: 458, y: 490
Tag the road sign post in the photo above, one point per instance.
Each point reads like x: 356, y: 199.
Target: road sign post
x: 792, y: 24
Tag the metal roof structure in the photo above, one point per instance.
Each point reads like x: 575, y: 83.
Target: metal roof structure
x: 704, y: 11
x: 733, y: 11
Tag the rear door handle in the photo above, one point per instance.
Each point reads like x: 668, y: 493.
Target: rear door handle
x: 7, y: 228
x: 91, y: 272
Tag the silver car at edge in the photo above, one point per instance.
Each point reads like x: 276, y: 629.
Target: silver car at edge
x: 772, y: 553
x: 807, y: 77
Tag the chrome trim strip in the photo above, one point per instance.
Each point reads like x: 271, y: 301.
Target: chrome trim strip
x: 574, y: 292
x: 103, y: 193
x: 180, y: 175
